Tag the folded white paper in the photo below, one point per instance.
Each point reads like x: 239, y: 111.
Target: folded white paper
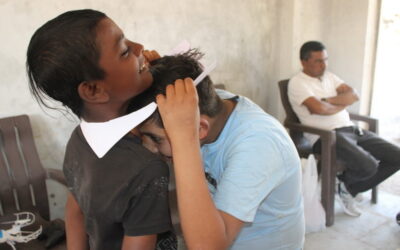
x: 205, y: 72
x: 102, y: 136
x: 182, y: 47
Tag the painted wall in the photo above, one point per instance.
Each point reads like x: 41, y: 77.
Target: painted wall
x: 237, y: 33
x: 347, y: 35
x: 256, y: 43
x: 348, y: 30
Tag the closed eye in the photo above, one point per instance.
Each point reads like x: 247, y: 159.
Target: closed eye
x: 153, y: 137
x: 126, y: 52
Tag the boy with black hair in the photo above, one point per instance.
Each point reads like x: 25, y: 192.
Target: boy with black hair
x: 120, y: 201
x: 252, y: 167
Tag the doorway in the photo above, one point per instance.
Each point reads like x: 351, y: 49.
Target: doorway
x: 386, y: 90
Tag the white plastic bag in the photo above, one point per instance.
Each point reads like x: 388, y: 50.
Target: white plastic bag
x: 314, y: 213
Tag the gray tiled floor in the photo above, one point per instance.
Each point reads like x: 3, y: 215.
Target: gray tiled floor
x: 376, y: 228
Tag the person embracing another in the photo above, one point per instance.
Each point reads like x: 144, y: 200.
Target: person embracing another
x: 82, y: 59
x: 237, y: 172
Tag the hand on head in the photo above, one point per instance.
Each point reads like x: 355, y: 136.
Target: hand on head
x: 179, y: 109
x: 151, y: 55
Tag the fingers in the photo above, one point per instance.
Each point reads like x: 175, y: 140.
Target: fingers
x: 190, y: 87
x: 179, y: 108
x: 160, y: 99
x: 170, y: 91
x: 178, y: 91
x: 151, y: 55
x: 180, y: 88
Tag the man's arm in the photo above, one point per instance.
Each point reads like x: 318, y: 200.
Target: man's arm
x: 145, y: 242
x: 332, y: 105
x: 204, y: 227
x: 75, y: 227
x: 319, y: 107
x: 345, y: 96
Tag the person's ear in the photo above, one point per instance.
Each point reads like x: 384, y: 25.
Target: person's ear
x: 204, y: 127
x: 93, y: 92
x: 304, y: 62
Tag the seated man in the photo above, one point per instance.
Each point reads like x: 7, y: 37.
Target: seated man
x: 250, y: 164
x: 319, y: 98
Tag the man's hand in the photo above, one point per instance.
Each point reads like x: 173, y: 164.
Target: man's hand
x: 318, y: 107
x: 179, y: 109
x: 180, y: 114
x: 346, y: 96
x: 151, y: 55
x: 332, y: 105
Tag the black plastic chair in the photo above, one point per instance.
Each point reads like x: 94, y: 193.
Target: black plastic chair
x: 329, y: 165
x: 22, y: 176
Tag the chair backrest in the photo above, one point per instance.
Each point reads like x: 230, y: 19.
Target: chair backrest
x: 302, y: 144
x: 22, y: 177
x: 290, y: 114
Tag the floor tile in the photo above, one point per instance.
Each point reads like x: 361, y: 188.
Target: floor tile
x: 332, y: 240
x: 375, y: 229
x: 385, y: 237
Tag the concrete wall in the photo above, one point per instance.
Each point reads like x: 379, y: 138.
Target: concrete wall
x: 237, y: 33
x: 348, y: 30
x: 256, y: 43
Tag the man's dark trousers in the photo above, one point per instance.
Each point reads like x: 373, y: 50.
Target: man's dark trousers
x: 368, y: 159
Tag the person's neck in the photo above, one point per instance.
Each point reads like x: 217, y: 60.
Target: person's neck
x: 102, y: 112
x: 310, y: 75
x: 218, y: 122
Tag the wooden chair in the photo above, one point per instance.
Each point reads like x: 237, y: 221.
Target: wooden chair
x: 329, y: 165
x: 22, y: 177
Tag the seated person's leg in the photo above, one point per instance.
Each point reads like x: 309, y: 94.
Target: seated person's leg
x: 388, y: 155
x: 359, y: 163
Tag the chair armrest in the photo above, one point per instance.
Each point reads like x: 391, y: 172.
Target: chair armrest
x: 328, y: 139
x: 56, y: 175
x: 372, y: 122
x: 323, y: 133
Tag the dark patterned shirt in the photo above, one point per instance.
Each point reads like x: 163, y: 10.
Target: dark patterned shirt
x: 123, y: 193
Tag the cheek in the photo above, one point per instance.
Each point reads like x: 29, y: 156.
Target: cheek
x: 149, y: 144
x: 165, y: 149
x: 316, y: 67
x: 147, y: 79
x: 138, y: 82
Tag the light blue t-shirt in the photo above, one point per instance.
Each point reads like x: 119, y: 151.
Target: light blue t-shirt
x: 258, y: 178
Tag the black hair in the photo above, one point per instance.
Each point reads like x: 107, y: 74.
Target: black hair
x: 170, y: 68
x: 308, y: 47
x: 62, y: 54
